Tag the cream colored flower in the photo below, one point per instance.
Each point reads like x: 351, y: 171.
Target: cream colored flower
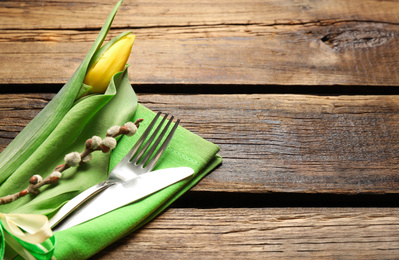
x: 109, y: 142
x: 87, y: 158
x: 131, y: 127
x: 39, y: 178
x: 96, y: 141
x: 56, y: 174
x: 113, y: 130
x: 72, y: 159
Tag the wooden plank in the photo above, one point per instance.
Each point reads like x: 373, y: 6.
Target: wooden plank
x: 16, y: 111
x: 294, y: 143
x: 275, y: 143
x: 264, y: 233
x: 88, y: 14
x: 228, y: 42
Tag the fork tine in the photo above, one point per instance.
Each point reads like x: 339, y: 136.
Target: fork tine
x: 136, y: 157
x: 156, y: 157
x: 137, y: 145
x: 157, y: 141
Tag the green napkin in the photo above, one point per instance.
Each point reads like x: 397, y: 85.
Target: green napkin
x: 185, y: 149
x: 63, y: 126
x: 90, y: 116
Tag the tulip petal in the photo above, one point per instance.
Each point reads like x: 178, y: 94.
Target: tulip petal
x: 113, y: 59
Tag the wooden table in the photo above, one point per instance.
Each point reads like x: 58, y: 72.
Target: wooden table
x: 301, y: 96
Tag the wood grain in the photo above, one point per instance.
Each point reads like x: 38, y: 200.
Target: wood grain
x: 206, y: 42
x: 16, y: 111
x: 291, y: 162
x: 86, y: 14
x: 275, y: 143
x: 294, y: 143
x: 264, y: 233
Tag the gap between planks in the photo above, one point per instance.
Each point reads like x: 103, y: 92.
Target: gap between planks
x: 226, y: 89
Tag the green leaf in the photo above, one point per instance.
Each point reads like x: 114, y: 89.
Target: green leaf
x: 92, y: 115
x: 84, y: 89
x: 38, y: 130
x: 61, y: 127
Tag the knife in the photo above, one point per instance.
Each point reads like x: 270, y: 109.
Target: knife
x: 121, y: 194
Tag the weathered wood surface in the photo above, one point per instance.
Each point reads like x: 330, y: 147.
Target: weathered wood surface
x: 49, y: 14
x: 209, y: 42
x: 264, y: 233
x: 274, y: 143
x: 283, y: 155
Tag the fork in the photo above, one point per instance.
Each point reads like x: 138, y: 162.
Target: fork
x: 139, y: 160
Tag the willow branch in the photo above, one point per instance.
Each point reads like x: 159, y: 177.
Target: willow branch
x: 75, y: 159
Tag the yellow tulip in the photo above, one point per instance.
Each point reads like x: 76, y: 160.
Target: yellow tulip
x: 112, y: 61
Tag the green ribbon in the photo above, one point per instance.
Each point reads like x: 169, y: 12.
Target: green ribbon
x: 28, y: 234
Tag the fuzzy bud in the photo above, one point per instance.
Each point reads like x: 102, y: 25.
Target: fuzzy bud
x: 88, y: 143
x: 72, y: 159
x: 95, y: 142
x: 55, y: 174
x: 129, y: 129
x: 109, y: 142
x: 113, y: 130
x: 87, y: 158
x: 35, y: 179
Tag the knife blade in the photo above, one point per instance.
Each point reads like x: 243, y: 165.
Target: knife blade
x: 124, y: 193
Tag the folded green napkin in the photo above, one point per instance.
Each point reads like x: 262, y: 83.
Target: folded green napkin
x: 62, y: 127
x: 185, y: 149
x: 90, y: 116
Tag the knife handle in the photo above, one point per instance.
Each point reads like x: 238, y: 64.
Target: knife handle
x: 76, y: 202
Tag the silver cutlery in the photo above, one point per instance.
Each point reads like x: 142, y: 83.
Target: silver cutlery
x: 129, y: 181
x: 124, y: 193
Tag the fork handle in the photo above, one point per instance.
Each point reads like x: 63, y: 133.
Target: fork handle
x: 76, y: 202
